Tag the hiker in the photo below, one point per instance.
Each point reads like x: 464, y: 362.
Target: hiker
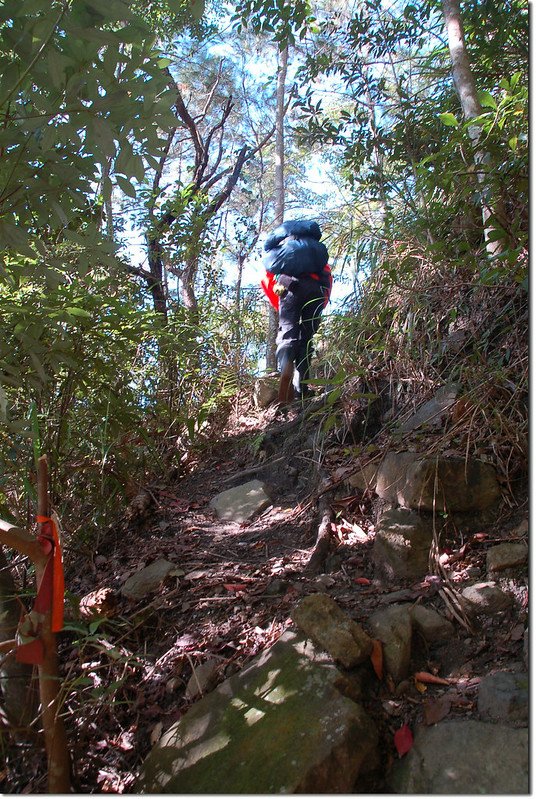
x: 298, y: 284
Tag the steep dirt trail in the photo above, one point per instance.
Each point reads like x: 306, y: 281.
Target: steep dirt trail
x: 230, y: 596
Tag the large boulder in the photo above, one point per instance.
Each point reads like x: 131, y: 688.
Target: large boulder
x: 437, y: 484
x: 450, y: 484
x: 464, y: 757
x: 505, y: 696
x: 278, y: 726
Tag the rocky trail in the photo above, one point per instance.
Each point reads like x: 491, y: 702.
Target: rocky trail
x: 183, y: 603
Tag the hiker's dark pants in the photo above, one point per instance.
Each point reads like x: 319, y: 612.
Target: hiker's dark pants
x: 300, y: 310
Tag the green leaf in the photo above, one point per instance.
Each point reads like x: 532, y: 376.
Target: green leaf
x: 487, y: 100
x: 496, y: 234
x: 449, y: 120
x: 94, y: 626
x: 38, y: 367
x: 126, y: 186
x: 74, y: 311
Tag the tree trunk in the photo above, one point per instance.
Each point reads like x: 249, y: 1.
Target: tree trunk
x: 59, y: 762
x: 237, y: 358
x: 279, y: 199
x: 155, y: 283
x: 465, y: 85
x: 188, y: 295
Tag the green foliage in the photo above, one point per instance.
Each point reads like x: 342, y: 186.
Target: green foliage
x: 83, y: 102
x: 283, y: 21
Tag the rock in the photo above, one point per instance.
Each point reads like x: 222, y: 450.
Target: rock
x: 522, y: 529
x: 241, y: 503
x: 441, y: 484
x: 504, y: 696
x: 321, y: 619
x: 431, y: 625
x: 392, y: 626
x: 434, y: 411
x: 101, y: 602
x: 265, y: 391
x: 203, y: 678
x: 506, y: 556
x: 278, y: 726
x: 147, y: 580
x: 365, y: 478
x: 464, y: 757
x: 450, y: 484
x: 485, y: 598
x: 402, y: 545
x: 392, y: 475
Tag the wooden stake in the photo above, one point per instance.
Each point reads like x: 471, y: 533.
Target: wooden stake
x: 59, y: 763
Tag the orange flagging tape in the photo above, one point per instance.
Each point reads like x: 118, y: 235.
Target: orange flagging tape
x: 53, y: 582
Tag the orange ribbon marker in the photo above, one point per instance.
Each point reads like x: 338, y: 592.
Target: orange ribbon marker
x: 50, y: 595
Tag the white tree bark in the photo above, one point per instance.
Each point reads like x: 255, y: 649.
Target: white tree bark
x: 465, y: 85
x: 279, y: 199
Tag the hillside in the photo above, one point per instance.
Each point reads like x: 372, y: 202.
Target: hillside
x: 131, y: 663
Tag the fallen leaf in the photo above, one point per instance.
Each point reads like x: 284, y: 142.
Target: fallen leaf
x: 403, y: 740
x: 376, y: 657
x: 424, y: 676
x: 436, y: 709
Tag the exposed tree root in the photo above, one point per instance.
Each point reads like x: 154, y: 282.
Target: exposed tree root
x: 317, y: 561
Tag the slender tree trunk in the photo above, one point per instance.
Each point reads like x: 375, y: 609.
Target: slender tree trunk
x: 465, y: 85
x: 188, y: 294
x: 59, y: 763
x: 237, y: 357
x: 155, y: 283
x: 279, y: 200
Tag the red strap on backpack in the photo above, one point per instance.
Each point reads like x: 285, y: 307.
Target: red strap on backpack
x: 268, y: 282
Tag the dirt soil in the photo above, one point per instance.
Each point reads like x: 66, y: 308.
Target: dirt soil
x: 128, y: 677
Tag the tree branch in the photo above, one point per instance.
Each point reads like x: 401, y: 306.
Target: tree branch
x: 21, y: 540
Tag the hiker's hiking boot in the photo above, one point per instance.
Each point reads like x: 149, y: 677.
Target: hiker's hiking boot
x: 286, y: 389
